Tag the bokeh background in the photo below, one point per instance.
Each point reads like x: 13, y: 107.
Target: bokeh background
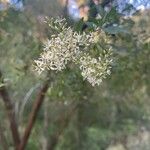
x: 75, y: 115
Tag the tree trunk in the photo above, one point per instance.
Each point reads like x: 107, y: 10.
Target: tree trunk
x: 33, y: 115
x: 10, y: 112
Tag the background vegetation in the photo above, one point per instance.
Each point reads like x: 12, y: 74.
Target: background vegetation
x: 75, y: 115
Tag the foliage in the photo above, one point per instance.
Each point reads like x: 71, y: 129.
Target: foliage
x: 67, y: 45
x: 106, y: 114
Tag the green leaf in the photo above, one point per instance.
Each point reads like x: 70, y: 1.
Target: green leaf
x: 2, y: 85
x: 101, y: 10
x: 115, y: 30
x: 79, y: 25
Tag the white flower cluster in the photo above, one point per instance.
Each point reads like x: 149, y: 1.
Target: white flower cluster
x: 67, y: 46
x: 63, y: 47
x: 95, y: 69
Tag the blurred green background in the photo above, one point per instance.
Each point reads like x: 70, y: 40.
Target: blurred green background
x: 112, y: 116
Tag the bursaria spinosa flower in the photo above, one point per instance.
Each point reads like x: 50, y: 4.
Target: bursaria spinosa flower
x: 67, y: 45
x: 95, y: 69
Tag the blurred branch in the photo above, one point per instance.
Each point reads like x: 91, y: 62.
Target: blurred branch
x: 25, y: 100
x: 3, y: 139
x: 33, y: 115
x: 63, y: 121
x: 10, y: 112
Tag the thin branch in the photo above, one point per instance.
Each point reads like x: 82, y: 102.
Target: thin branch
x: 26, y: 99
x: 63, y: 121
x: 10, y: 112
x: 33, y: 115
x: 3, y: 139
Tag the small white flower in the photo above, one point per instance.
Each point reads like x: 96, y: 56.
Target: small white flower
x: 66, y: 46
